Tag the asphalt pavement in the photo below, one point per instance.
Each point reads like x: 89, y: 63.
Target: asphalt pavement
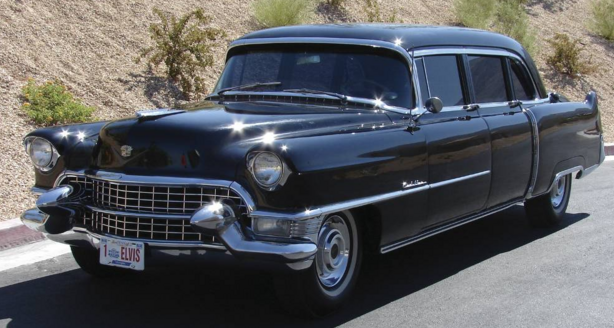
x: 496, y: 272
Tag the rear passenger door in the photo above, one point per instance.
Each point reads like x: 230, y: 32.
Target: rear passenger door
x: 458, y: 142
x: 499, y: 85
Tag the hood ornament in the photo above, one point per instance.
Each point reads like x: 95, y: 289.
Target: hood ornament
x: 126, y: 151
x: 158, y: 112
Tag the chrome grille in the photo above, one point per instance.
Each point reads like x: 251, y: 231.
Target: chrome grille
x: 143, y: 227
x: 146, y: 206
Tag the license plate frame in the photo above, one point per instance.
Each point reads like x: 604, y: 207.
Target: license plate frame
x: 126, y: 254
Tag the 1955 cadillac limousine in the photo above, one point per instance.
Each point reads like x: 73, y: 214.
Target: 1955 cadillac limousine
x: 318, y: 143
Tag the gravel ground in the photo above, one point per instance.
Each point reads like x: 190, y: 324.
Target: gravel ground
x: 91, y: 46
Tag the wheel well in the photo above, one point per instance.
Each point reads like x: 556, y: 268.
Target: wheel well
x: 369, y: 218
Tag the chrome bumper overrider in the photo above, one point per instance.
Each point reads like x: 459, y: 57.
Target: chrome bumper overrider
x: 57, y: 209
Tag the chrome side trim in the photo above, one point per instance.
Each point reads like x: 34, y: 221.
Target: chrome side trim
x: 588, y: 171
x: 535, y: 139
x: 338, y: 207
x: 430, y: 233
x: 455, y: 180
x: 574, y: 169
x: 482, y: 51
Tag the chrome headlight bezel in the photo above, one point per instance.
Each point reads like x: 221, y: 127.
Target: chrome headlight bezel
x: 53, y: 153
x: 283, y: 174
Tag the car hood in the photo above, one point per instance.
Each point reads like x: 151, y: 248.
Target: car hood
x: 212, y: 141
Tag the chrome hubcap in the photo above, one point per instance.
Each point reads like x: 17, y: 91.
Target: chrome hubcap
x: 558, y: 192
x: 333, y: 253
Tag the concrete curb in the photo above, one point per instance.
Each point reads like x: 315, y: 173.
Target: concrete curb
x: 609, y: 149
x: 13, y: 234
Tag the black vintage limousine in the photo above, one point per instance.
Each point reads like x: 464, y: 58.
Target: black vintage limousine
x: 318, y: 143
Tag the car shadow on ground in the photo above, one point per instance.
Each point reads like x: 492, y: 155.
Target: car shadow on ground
x: 188, y: 298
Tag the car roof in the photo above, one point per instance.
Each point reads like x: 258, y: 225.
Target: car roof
x: 411, y: 36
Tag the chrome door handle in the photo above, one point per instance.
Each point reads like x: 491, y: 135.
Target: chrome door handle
x: 471, y: 107
x: 514, y: 103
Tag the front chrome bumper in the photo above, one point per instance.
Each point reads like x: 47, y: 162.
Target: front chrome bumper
x: 57, y: 208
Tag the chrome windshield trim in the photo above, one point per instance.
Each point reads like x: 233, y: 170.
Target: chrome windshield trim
x: 377, y: 105
x: 389, y: 45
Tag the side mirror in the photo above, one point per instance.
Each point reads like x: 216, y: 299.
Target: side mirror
x: 554, y: 97
x: 433, y: 105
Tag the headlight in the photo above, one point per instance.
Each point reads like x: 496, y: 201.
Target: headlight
x: 42, y: 153
x: 267, y: 168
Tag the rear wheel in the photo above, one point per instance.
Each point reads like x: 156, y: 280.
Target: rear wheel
x: 325, y: 286
x: 549, y: 209
x: 89, y: 262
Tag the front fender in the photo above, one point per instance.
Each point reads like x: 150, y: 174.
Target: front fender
x: 75, y: 144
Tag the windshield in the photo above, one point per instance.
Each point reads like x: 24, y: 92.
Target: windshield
x: 354, y: 72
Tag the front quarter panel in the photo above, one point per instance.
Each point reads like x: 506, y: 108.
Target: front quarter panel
x: 331, y: 169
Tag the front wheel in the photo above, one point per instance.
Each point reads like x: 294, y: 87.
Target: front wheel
x: 325, y: 286
x: 549, y: 209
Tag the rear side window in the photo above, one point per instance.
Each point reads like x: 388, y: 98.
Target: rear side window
x: 443, y: 78
x: 488, y: 79
x: 522, y: 85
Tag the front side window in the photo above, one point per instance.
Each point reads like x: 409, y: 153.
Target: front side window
x: 352, y: 71
x: 488, y: 79
x: 523, y: 87
x: 443, y: 78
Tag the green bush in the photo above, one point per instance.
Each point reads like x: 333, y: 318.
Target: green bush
x: 512, y: 20
x: 51, y: 103
x: 374, y: 13
x: 567, y: 58
x: 502, y: 16
x: 603, y: 18
x: 184, y: 46
x: 272, y: 13
x: 475, y: 13
x: 335, y: 3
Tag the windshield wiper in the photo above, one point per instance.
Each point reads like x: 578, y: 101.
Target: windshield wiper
x: 344, y: 98
x: 247, y: 87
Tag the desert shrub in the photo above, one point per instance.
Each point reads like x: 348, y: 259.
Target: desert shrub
x: 475, y: 13
x: 567, y: 58
x: 272, y: 13
x: 335, y: 3
x: 51, y: 103
x: 512, y: 20
x: 374, y: 13
x: 502, y: 16
x: 184, y: 46
x: 603, y: 18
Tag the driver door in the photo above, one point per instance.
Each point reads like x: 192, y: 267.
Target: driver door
x: 458, y: 142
